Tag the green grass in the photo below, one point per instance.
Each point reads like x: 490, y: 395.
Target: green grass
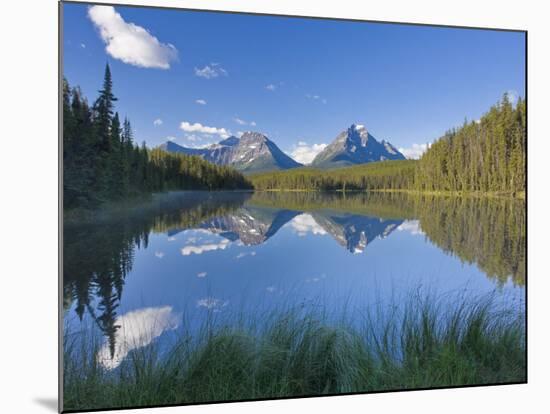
x: 300, y: 352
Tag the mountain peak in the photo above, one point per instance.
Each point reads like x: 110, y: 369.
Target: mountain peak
x: 251, y: 153
x: 232, y: 140
x: 251, y: 136
x: 355, y: 145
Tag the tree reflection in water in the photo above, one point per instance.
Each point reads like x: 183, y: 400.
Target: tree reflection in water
x: 98, y: 255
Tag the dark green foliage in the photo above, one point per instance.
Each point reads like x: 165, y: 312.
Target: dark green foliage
x: 372, y: 176
x: 101, y: 163
x: 484, y: 156
x: 300, y: 352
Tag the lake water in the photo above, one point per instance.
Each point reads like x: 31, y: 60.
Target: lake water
x: 138, y: 275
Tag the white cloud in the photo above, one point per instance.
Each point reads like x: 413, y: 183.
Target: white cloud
x: 411, y: 226
x: 316, y: 98
x: 130, y: 43
x: 243, y: 122
x: 211, y: 303
x: 271, y: 289
x: 305, y: 223
x: 202, y: 274
x: 200, y: 102
x: 160, y: 255
x: 203, y: 129
x: 304, y: 153
x: 136, y: 329
x: 200, y: 146
x: 415, y: 151
x: 83, y: 45
x: 243, y: 254
x: 202, y: 248
x: 211, y: 71
x: 271, y: 87
x: 157, y: 122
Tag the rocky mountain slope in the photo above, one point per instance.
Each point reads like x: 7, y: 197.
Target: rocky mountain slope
x: 253, y: 152
x: 353, y: 146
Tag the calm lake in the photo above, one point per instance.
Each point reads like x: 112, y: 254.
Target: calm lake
x: 137, y: 276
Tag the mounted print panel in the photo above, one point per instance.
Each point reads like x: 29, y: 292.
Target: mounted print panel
x: 260, y: 207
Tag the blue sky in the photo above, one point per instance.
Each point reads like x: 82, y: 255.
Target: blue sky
x: 196, y: 77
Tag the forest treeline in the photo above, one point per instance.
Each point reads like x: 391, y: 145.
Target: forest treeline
x: 372, y: 176
x: 102, y: 163
x: 488, y: 155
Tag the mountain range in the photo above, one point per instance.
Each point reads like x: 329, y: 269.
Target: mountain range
x: 254, y: 152
x: 255, y: 225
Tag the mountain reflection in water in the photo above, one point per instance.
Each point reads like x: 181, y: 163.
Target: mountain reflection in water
x: 100, y: 254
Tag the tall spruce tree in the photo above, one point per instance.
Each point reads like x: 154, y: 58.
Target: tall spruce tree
x: 103, y: 113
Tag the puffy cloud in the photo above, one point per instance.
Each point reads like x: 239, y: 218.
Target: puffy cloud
x: 160, y: 255
x: 136, y: 329
x: 415, y: 151
x: 130, y: 43
x: 203, y: 129
x: 202, y: 248
x: 201, y: 274
x: 211, y: 71
x: 200, y: 102
x: 305, y: 223
x: 305, y: 153
x: 271, y: 87
x: 157, y: 122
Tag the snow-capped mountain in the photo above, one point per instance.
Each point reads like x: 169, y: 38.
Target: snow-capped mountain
x: 253, y: 152
x: 353, y: 146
